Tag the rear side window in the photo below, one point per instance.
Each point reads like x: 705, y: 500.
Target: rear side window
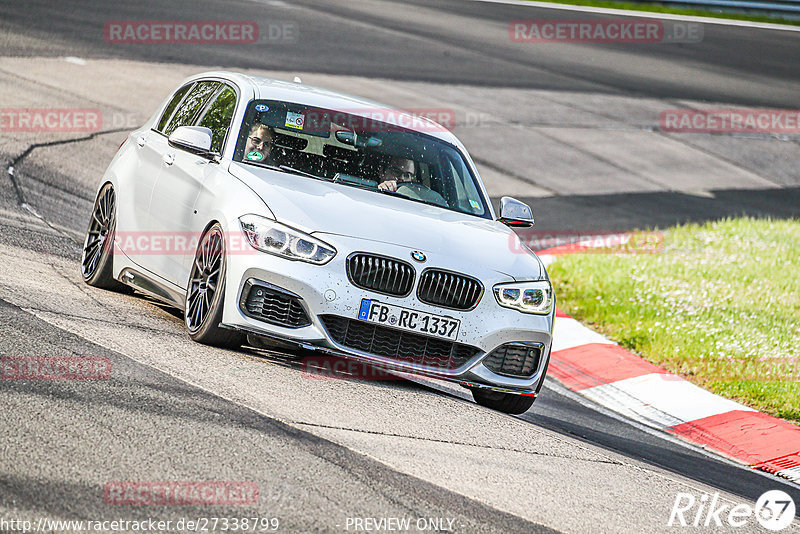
x: 162, y: 122
x: 217, y: 116
x: 191, y: 105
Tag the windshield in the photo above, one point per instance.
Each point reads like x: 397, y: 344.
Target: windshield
x: 359, y: 152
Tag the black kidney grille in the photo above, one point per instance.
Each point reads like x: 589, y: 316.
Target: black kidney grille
x: 518, y: 361
x: 380, y: 274
x: 274, y: 307
x: 396, y: 344
x: 451, y: 290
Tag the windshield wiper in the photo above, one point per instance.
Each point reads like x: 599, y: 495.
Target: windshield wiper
x: 264, y: 165
x: 286, y: 168
x: 401, y: 195
x: 421, y: 201
x: 393, y: 193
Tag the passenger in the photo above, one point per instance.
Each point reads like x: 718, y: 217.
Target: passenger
x: 397, y: 171
x: 259, y: 144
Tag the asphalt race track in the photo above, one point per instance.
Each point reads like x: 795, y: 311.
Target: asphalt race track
x: 570, y: 128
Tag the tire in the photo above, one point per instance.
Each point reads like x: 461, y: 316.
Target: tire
x: 504, y: 402
x: 97, y: 258
x: 205, y: 293
x: 509, y: 402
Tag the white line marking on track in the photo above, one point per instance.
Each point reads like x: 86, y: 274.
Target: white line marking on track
x: 792, y: 474
x: 647, y: 14
x: 661, y: 399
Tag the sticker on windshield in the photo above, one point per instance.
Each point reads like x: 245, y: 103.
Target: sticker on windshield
x: 262, y: 108
x: 295, y: 120
x: 255, y: 155
x: 475, y: 204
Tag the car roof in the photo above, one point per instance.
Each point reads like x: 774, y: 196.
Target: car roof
x: 273, y: 89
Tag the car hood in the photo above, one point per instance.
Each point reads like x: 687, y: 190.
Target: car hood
x: 319, y: 207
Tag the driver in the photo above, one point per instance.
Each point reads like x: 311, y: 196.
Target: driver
x: 259, y: 144
x: 397, y: 171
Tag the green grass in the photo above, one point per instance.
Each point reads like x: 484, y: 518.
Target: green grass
x: 659, y: 8
x: 719, y: 305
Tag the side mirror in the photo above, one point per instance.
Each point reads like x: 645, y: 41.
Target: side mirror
x: 514, y: 213
x: 194, y: 139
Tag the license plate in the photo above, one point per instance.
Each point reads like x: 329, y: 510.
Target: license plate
x: 411, y: 320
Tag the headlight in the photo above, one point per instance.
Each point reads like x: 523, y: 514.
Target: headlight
x: 527, y: 297
x: 273, y: 237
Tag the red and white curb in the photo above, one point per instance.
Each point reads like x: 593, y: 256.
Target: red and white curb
x: 591, y: 365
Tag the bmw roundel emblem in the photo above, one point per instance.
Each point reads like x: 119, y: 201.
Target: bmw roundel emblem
x: 418, y: 256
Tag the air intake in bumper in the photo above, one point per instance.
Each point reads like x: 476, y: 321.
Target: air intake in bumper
x: 273, y: 305
x: 516, y: 360
x: 406, y: 347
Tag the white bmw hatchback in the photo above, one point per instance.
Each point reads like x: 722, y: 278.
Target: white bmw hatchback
x: 297, y: 217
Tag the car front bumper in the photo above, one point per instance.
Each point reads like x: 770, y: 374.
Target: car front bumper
x: 326, y: 290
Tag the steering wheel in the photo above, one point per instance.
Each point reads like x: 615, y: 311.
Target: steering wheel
x: 421, y: 192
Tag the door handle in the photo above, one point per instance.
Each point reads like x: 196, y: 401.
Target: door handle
x: 169, y: 159
x: 141, y: 140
